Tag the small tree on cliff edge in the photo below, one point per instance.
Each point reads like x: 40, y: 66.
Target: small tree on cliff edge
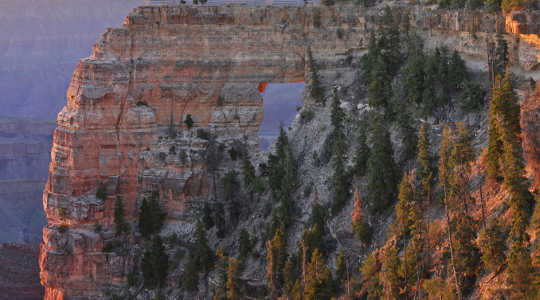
x: 317, y: 91
x: 119, y: 220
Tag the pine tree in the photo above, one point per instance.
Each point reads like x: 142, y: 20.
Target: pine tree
x: 402, y: 225
x: 457, y: 71
x: 429, y: 97
x: 341, y: 269
x: 492, y: 244
x: 317, y: 91
x: 413, y: 74
x: 313, y: 239
x: 275, y: 261
x: 362, y: 154
x: 390, y: 44
x: 318, y: 279
x: 151, y: 217
x: 494, y: 142
x: 501, y: 57
x: 283, y: 179
x: 472, y: 97
x: 370, y: 58
x: 201, y: 252
x: 145, y: 219
x: 391, y: 279
x: 519, y: 270
x: 190, y: 276
x: 339, y: 176
x: 380, y: 88
x: 370, y: 269
x: 381, y: 178
x: 445, y: 177
x: 221, y: 267
x: 155, y: 264
x: 248, y: 170
x: 245, y: 244
x: 505, y: 142
x: 507, y: 116
x: 119, y: 220
x: 361, y: 228
x: 233, y: 292
x: 467, y: 255
x: 424, y: 170
x: 291, y: 272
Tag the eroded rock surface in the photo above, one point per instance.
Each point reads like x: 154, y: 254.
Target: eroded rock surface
x: 124, y: 130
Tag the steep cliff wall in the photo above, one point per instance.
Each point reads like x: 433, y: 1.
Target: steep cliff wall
x: 123, y: 131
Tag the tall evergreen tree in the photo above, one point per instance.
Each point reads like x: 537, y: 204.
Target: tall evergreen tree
x: 429, y: 97
x: 155, y: 264
x: 391, y: 275
x: 380, y: 87
x: 370, y: 269
x: 362, y: 154
x: 233, y: 270
x: 361, y: 228
x: 381, y: 176
x: 201, y: 252
x: 275, y: 262
x: 492, y: 245
x: 501, y: 57
x: 467, y: 254
x: 445, y: 177
x: 341, y: 269
x: 402, y: 225
x: 319, y: 281
x: 339, y: 176
x: 457, y: 71
x: 424, y: 171
x: 413, y: 74
x: 317, y: 91
x: 119, y: 219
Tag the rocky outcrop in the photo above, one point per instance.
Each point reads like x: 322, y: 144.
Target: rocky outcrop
x: 143, y: 110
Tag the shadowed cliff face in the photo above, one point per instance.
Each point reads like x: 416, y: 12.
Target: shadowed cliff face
x: 123, y: 126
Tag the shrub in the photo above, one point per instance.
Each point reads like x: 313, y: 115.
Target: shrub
x: 142, y: 103
x: 306, y: 116
x: 101, y: 192
x: 203, y: 134
x: 189, y: 121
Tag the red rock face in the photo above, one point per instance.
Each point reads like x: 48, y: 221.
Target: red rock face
x: 140, y: 84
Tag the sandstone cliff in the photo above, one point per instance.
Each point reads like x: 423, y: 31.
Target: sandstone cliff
x: 123, y: 131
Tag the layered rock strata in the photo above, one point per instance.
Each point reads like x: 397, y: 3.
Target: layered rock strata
x: 126, y: 130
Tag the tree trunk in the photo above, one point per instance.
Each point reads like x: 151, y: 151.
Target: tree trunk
x: 458, y: 289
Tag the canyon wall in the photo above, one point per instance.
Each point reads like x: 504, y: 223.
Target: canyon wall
x: 124, y: 132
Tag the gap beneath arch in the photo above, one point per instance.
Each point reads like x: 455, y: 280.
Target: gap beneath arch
x: 280, y: 102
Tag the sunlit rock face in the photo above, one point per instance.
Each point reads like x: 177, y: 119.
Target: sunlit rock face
x: 125, y: 132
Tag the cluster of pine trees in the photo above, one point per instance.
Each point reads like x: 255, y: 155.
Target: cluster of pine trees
x: 414, y: 262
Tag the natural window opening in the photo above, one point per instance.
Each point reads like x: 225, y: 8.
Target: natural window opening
x: 281, y: 102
